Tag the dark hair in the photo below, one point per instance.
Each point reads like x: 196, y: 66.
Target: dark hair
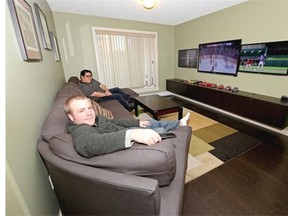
x: 83, y: 72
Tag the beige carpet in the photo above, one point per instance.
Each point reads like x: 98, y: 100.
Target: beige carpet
x: 207, y: 133
x: 200, y: 160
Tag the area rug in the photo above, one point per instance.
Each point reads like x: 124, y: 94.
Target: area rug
x: 212, y: 143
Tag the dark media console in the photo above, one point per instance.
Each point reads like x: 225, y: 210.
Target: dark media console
x: 264, y: 109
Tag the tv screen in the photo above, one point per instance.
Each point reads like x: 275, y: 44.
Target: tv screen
x: 219, y: 57
x: 265, y: 58
x: 187, y: 58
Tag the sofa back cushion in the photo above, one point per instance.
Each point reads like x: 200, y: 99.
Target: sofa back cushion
x: 74, y: 79
x: 118, y: 111
x: 56, y: 120
x: 157, y: 161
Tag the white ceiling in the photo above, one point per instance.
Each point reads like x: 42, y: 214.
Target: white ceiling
x: 169, y: 12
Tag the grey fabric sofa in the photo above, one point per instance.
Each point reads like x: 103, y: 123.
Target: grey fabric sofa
x: 141, y: 180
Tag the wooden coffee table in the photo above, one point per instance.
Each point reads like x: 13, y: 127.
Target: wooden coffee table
x: 157, y: 105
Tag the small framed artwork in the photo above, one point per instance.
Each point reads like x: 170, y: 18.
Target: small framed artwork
x: 187, y: 58
x: 43, y: 27
x: 25, y: 29
x: 54, y: 46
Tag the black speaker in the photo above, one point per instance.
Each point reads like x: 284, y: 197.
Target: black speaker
x: 284, y: 98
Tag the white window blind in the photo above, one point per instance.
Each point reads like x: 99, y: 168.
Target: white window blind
x: 126, y: 58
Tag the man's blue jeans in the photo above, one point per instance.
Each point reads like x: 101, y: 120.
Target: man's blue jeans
x: 119, y: 95
x: 163, y: 126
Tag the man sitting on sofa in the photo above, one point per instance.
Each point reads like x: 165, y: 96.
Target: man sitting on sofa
x: 99, y: 92
x: 96, y: 135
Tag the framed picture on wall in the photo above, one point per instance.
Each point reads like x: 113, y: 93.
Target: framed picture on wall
x: 54, y: 46
x: 24, y: 26
x: 187, y: 58
x: 43, y: 27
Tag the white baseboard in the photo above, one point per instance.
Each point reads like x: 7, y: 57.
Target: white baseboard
x: 163, y: 94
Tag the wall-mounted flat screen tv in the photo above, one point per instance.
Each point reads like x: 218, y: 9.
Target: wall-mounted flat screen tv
x: 265, y: 58
x: 187, y: 58
x: 219, y: 57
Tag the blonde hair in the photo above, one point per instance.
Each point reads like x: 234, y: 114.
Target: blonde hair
x: 67, y: 105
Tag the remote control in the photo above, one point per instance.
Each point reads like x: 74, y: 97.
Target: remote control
x: 167, y: 135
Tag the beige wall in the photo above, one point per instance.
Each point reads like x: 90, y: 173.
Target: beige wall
x: 30, y: 90
x: 253, y: 21
x: 75, y: 35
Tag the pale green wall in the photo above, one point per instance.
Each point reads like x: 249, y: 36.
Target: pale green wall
x: 252, y: 21
x: 31, y: 87
x: 76, y: 33
x: 30, y: 90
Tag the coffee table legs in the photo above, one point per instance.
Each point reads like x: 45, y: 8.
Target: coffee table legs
x: 155, y: 115
x: 180, y: 113
x: 136, y: 108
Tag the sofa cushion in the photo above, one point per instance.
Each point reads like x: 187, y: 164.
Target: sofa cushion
x: 119, y: 112
x: 74, y: 79
x: 56, y: 120
x: 157, y: 161
x: 68, y: 90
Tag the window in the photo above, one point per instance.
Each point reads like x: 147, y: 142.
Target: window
x: 126, y: 58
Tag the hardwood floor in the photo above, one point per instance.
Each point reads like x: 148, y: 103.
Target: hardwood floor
x: 254, y: 183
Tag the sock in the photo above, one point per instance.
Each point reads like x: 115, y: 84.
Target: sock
x: 184, y: 120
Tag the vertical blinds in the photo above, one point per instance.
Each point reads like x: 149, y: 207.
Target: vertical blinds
x: 125, y: 59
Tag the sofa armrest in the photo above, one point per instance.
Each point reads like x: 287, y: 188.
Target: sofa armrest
x: 130, y: 92
x: 84, y: 190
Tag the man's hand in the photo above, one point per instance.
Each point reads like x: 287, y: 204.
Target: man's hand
x: 106, y: 90
x: 107, y: 93
x: 145, y: 136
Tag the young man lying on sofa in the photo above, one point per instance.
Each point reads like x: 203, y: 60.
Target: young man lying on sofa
x: 96, y: 135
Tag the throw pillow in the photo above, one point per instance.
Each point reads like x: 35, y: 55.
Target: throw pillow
x: 101, y: 111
